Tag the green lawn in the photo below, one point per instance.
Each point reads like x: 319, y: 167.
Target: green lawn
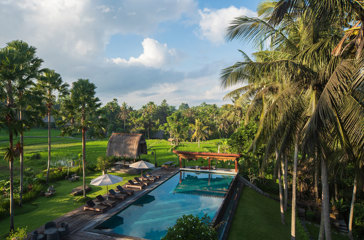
x: 258, y: 217
x: 42, y: 209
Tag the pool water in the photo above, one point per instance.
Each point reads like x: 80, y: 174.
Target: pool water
x: 185, y: 193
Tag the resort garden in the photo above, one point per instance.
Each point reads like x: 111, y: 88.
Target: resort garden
x: 296, y: 119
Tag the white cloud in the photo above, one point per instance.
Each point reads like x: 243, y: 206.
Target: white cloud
x: 205, y: 89
x: 155, y: 55
x: 213, y: 24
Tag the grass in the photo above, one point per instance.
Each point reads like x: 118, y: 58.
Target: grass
x: 258, y: 217
x: 42, y: 209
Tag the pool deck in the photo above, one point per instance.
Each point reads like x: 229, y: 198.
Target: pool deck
x: 80, y: 222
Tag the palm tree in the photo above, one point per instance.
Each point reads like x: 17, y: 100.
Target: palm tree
x: 200, y: 131
x: 124, y: 112
x: 18, y: 66
x: 80, y: 113
x: 48, y: 83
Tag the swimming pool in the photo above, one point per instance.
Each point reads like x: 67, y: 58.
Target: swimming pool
x: 185, y: 193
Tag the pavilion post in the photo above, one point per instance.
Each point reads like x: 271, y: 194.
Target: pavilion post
x: 180, y: 161
x: 208, y: 159
x: 236, y: 165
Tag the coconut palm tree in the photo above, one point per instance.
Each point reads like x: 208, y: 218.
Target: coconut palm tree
x: 200, y: 132
x: 124, y: 112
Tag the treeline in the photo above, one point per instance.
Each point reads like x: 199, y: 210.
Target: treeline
x: 208, y: 121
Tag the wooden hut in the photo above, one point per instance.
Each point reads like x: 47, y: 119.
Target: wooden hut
x: 128, y: 145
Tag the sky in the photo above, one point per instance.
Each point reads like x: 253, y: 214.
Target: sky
x: 133, y: 50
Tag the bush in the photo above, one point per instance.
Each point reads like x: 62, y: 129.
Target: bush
x: 192, y: 228
x: 19, y: 234
x: 35, y: 156
x: 33, y: 193
x: 358, y: 228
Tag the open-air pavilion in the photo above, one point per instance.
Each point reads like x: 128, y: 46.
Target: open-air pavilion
x: 209, y: 156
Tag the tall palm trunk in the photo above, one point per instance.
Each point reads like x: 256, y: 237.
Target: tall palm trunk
x: 325, y: 199
x: 9, y: 102
x: 49, y: 141
x: 21, y: 160
x: 316, y: 179
x: 83, y: 156
x: 11, y: 166
x: 284, y: 166
x: 198, y: 143
x: 280, y: 190
x: 294, y: 179
x: 322, y: 229
x: 351, y: 215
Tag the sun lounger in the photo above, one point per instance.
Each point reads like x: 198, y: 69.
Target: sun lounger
x: 120, y: 189
x: 138, y: 180
x: 116, y: 195
x: 156, y: 176
x: 134, y: 185
x: 90, y: 205
x: 102, y: 201
x: 150, y: 178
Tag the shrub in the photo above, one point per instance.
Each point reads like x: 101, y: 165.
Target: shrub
x: 35, y: 156
x: 19, y: 234
x: 192, y: 228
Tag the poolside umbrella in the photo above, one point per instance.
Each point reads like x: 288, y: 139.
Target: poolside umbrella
x: 106, y: 180
x: 141, y: 165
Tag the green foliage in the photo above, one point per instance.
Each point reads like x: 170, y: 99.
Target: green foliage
x: 192, y: 228
x: 103, y: 163
x: 19, y: 234
x: 35, y: 156
x: 358, y: 229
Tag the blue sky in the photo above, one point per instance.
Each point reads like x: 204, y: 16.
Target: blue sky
x: 134, y: 51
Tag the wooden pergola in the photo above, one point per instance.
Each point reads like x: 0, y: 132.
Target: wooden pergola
x: 208, y: 156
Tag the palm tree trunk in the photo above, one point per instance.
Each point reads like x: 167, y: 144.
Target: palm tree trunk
x: 351, y: 215
x: 124, y: 124
x: 294, y: 179
x: 21, y: 161
x: 322, y: 230
x: 336, y: 191
x: 280, y: 190
x: 325, y: 199
x: 284, y: 166
x: 198, y: 143
x: 49, y: 142
x: 11, y: 165
x: 316, y: 179
x: 84, y: 161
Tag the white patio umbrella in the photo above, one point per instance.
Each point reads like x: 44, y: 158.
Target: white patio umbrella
x: 142, y: 165
x: 106, y: 180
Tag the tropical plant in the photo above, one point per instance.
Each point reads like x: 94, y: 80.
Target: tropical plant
x: 200, y: 132
x: 48, y: 83
x: 192, y: 228
x: 79, y: 112
x: 18, y: 67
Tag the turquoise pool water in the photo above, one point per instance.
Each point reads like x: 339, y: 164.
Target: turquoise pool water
x: 185, y: 193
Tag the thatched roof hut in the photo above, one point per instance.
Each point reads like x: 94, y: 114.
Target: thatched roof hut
x: 129, y: 145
